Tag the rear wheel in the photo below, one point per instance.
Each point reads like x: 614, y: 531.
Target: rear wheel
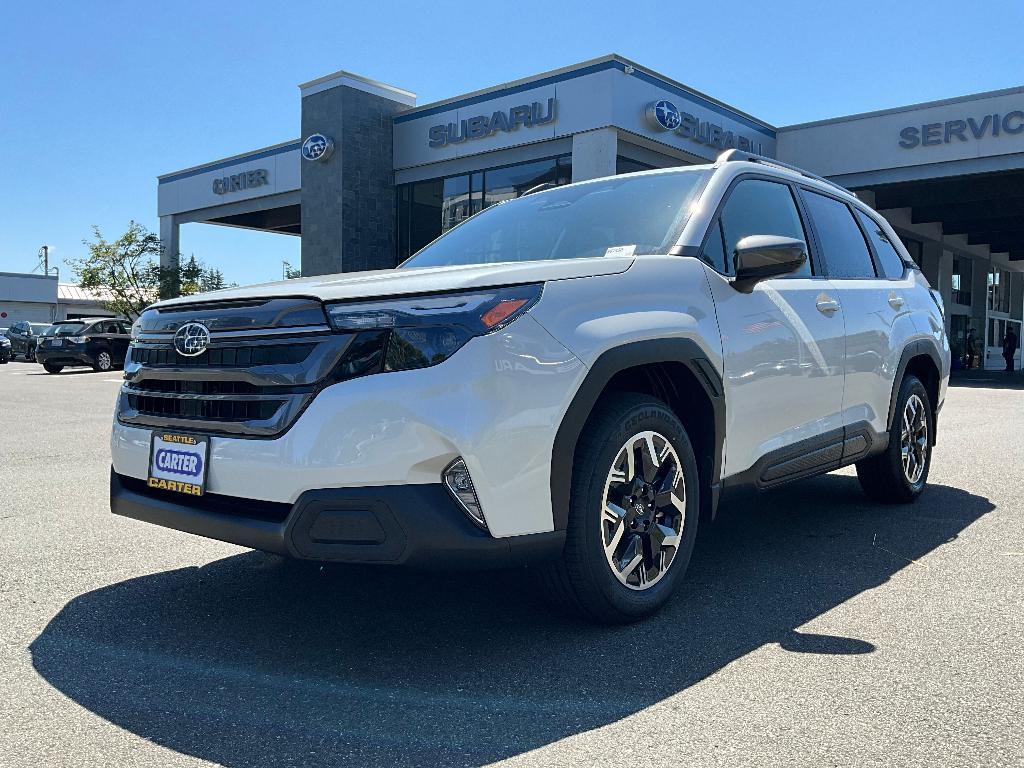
x: 900, y: 473
x: 633, y: 512
x: 52, y: 367
x: 104, y: 362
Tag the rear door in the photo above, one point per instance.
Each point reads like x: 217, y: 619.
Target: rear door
x: 783, y: 342
x: 874, y: 307
x: 119, y: 341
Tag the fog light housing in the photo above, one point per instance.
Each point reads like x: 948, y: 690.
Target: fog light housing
x: 460, y: 486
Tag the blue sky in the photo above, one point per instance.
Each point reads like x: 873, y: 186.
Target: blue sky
x: 100, y: 98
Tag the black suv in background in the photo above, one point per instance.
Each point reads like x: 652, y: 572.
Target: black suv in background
x: 23, y: 337
x: 101, y: 344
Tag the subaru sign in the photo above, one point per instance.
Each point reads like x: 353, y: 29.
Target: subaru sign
x: 481, y: 126
x: 317, y: 147
x: 663, y: 115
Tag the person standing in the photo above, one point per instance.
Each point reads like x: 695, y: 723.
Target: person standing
x: 1009, y: 347
x: 969, y: 349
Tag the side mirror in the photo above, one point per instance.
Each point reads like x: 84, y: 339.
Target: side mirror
x: 759, y: 257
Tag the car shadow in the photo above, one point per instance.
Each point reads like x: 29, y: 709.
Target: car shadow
x: 65, y: 372
x: 254, y: 661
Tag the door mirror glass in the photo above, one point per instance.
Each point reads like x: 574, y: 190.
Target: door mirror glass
x: 760, y: 257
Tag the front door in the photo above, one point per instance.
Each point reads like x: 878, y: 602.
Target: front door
x: 783, y: 343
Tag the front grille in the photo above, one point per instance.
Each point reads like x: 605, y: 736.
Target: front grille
x: 266, y: 361
x: 193, y: 387
x: 206, y: 410
x: 224, y: 357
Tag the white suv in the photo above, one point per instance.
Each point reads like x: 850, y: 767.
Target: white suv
x: 571, y: 379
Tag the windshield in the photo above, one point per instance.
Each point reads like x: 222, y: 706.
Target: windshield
x: 641, y: 213
x: 38, y: 328
x: 49, y: 331
x: 68, y: 329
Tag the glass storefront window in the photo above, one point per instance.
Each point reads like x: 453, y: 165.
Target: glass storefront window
x: 625, y: 165
x: 456, y: 204
x: 427, y: 209
x: 961, y: 281
x: 509, y: 183
x: 999, y: 290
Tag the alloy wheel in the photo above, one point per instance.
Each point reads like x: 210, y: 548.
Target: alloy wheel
x: 914, y: 439
x: 103, y: 361
x: 643, y: 511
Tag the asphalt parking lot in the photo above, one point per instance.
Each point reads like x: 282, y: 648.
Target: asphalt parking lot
x: 814, y: 629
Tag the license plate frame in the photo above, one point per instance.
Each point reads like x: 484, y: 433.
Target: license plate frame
x: 178, y: 474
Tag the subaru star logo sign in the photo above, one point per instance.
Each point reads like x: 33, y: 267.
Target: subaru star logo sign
x: 317, y: 147
x: 664, y: 115
x: 192, y: 339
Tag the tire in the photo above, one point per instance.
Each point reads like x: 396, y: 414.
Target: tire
x: 885, y: 477
x: 586, y: 580
x: 104, y: 361
x: 52, y: 367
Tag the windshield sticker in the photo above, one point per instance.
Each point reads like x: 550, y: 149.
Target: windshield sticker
x: 620, y: 250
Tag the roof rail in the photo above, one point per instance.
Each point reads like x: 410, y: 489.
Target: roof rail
x: 734, y: 155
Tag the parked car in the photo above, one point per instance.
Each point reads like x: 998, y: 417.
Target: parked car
x: 5, y: 349
x: 572, y: 379
x: 23, y: 336
x: 99, y: 343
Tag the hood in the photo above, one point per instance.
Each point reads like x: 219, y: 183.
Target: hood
x: 400, y: 282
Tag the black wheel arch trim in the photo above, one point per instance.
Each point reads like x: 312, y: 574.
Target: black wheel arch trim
x: 607, y: 365
x: 918, y: 348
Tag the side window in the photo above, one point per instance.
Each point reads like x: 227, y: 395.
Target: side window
x: 888, y: 258
x: 846, y: 252
x: 714, y: 250
x: 111, y: 328
x: 123, y: 329
x: 757, y: 207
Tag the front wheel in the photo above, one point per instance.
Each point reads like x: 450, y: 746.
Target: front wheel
x: 52, y: 368
x: 898, y: 475
x: 633, y: 512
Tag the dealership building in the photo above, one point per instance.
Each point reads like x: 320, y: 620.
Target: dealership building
x: 374, y: 176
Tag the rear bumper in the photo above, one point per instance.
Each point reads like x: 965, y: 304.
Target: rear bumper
x: 66, y: 356
x: 410, y: 525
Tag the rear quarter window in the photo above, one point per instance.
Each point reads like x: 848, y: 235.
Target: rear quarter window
x: 888, y: 258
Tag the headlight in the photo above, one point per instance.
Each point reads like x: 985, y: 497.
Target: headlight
x: 425, y: 330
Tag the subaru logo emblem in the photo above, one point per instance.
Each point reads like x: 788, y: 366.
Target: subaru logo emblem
x: 192, y: 339
x: 664, y: 115
x: 317, y: 147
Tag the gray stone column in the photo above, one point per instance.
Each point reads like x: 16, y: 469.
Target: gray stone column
x: 593, y: 154
x: 348, y: 200
x: 170, y: 241
x: 170, y: 250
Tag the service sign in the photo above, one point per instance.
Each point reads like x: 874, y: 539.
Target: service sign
x: 179, y: 463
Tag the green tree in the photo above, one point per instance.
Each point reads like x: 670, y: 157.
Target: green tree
x: 128, y: 272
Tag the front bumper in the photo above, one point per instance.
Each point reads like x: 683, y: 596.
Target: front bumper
x: 410, y: 525
x: 496, y: 403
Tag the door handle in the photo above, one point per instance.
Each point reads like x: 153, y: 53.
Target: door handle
x: 895, y: 301
x: 827, y: 305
